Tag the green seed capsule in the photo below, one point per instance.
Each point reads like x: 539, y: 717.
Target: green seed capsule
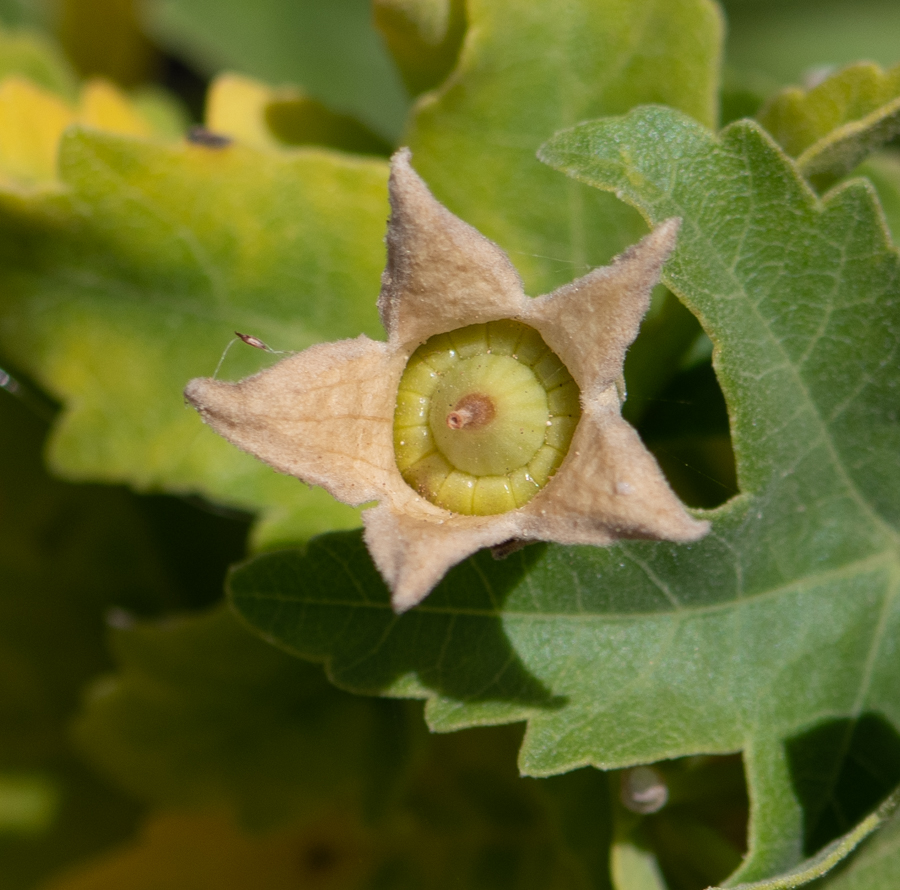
x: 485, y: 415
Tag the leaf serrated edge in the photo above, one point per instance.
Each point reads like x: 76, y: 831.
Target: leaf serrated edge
x: 839, y: 849
x: 829, y: 856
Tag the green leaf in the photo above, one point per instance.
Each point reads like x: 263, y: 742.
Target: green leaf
x: 330, y: 49
x: 204, y: 715
x: 774, y: 634
x: 835, y: 853
x: 118, y: 291
x: 831, y: 128
x: 874, y: 866
x: 778, y: 372
x: 423, y: 36
x: 527, y: 69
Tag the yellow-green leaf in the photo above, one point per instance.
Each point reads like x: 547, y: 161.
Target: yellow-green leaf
x: 135, y: 278
x: 832, y: 127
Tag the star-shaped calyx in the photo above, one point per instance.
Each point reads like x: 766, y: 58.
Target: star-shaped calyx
x: 505, y: 429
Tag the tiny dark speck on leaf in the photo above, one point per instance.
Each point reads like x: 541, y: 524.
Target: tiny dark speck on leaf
x: 201, y: 136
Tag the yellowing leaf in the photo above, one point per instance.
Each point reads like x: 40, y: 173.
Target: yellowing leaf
x: 235, y: 107
x: 106, y: 107
x: 172, y: 251
x: 181, y: 246
x: 32, y: 121
x: 262, y: 117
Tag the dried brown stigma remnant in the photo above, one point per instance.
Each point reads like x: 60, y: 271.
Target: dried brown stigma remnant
x: 471, y: 412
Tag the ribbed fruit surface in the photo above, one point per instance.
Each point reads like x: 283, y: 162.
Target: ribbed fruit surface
x: 484, y: 417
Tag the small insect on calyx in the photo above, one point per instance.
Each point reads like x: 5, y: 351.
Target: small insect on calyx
x: 486, y: 418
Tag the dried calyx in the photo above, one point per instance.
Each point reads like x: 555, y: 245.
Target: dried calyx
x: 486, y: 417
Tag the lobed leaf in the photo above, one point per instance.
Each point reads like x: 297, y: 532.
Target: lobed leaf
x: 834, y: 126
x: 774, y: 635
x: 133, y: 280
x: 134, y: 277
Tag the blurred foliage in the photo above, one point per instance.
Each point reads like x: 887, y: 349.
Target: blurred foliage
x: 105, y: 38
x: 832, y: 127
x: 330, y: 50
x: 147, y: 739
x: 68, y: 555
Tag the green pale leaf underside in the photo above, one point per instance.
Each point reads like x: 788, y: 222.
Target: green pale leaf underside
x: 528, y: 69
x: 776, y: 625
x: 133, y: 280
x: 837, y: 124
